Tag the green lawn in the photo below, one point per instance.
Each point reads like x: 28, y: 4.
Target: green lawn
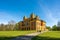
x: 7, y: 35
x: 53, y: 35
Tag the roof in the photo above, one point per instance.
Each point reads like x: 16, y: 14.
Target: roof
x: 43, y: 21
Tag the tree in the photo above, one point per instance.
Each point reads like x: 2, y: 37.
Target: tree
x: 2, y: 27
x: 48, y: 27
x: 58, y: 26
x: 54, y: 27
x: 16, y: 26
x: 7, y: 27
x: 11, y: 25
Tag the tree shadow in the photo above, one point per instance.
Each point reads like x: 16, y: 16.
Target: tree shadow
x: 20, y: 37
x: 44, y: 38
x: 6, y: 38
x: 24, y: 36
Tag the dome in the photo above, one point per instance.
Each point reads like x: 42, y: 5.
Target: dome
x: 32, y: 15
x: 24, y: 17
x: 37, y: 17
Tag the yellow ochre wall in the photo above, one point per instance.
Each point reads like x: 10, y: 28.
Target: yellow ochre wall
x: 32, y: 23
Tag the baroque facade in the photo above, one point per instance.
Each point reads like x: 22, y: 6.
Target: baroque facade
x: 32, y: 23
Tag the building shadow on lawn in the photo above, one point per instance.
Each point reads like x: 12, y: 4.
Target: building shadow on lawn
x: 6, y: 38
x: 21, y: 37
x: 44, y: 38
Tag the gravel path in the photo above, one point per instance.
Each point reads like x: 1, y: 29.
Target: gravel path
x: 27, y: 37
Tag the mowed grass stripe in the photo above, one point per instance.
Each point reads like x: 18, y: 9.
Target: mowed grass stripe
x: 52, y: 35
x: 7, y: 35
x: 14, y: 33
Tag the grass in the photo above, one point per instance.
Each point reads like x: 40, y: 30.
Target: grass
x: 7, y: 35
x: 52, y: 35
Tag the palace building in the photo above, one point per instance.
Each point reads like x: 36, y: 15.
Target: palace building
x: 32, y: 23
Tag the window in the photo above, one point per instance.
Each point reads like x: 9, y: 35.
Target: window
x: 32, y: 23
x: 26, y: 24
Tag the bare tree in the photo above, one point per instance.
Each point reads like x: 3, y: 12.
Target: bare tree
x: 2, y: 27
x: 11, y: 25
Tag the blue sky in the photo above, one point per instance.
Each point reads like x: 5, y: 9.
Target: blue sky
x: 48, y: 10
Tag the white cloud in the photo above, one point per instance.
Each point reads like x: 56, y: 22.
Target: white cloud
x: 49, y: 16
x: 51, y: 20
x: 5, y: 17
